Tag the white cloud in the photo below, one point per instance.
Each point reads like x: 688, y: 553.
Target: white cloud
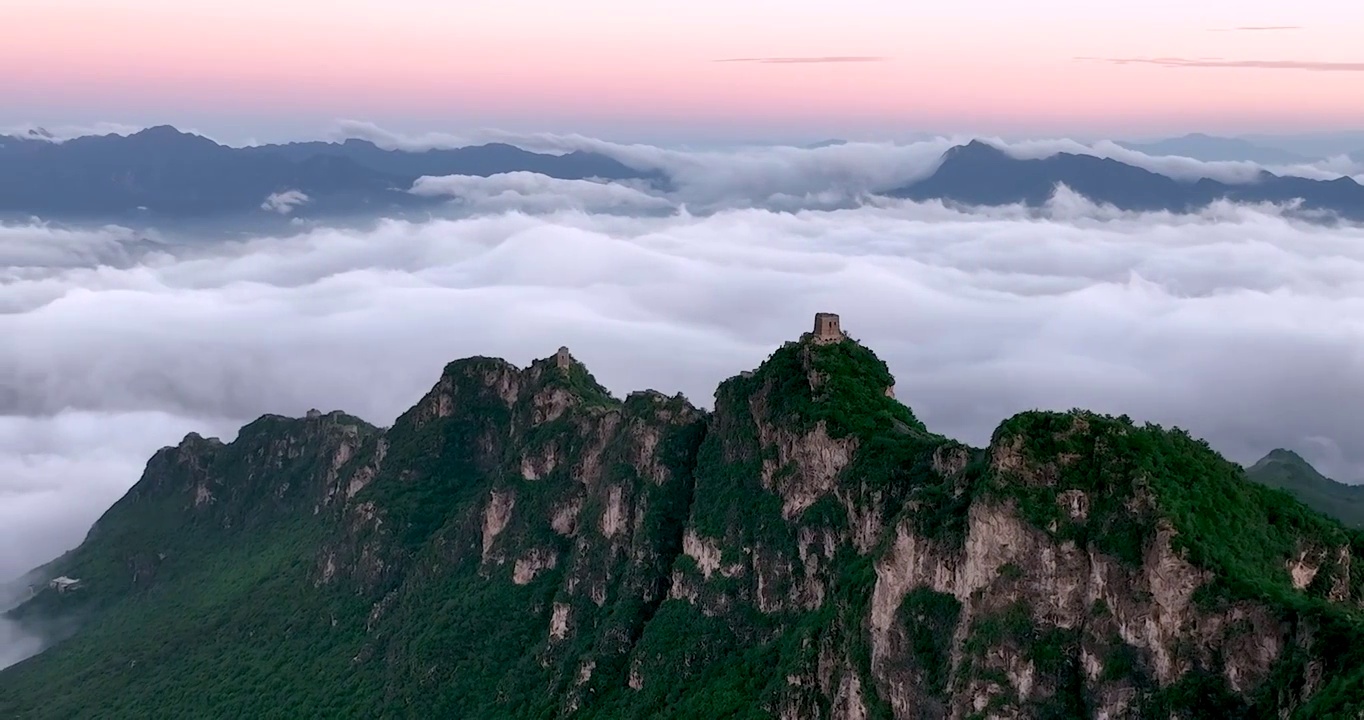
x: 777, y: 177
x: 284, y: 202
x: 16, y: 644
x: 1332, y: 167
x: 389, y: 140
x: 57, y: 474
x: 533, y: 192
x: 45, y: 245
x: 1239, y: 323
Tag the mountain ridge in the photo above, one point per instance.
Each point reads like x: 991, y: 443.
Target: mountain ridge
x: 981, y: 174
x: 162, y: 174
x: 1214, y: 148
x: 521, y: 543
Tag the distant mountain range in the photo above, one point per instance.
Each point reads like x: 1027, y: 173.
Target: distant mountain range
x: 981, y: 174
x: 1287, y: 470
x: 164, y: 174
x: 1263, y: 150
x: 833, y: 142
x: 1312, y: 144
x: 1212, y: 148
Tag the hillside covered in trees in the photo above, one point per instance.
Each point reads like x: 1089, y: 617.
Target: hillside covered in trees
x: 522, y: 544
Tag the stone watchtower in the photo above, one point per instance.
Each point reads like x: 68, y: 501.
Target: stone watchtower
x: 826, y: 329
x: 563, y: 359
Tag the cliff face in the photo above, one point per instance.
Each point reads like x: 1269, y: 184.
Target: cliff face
x: 521, y: 544
x: 522, y: 523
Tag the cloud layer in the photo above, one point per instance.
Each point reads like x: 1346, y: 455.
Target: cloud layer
x: 1238, y: 323
x: 533, y: 192
x: 15, y: 644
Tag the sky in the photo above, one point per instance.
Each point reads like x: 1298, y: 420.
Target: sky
x: 652, y: 70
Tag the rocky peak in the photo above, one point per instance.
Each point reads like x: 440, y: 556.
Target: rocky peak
x: 549, y: 385
x: 173, y: 468
x: 827, y: 377
x: 1284, y: 457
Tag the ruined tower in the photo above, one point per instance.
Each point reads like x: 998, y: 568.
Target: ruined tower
x: 826, y: 328
x: 563, y: 359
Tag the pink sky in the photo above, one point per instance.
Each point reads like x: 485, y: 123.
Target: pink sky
x: 971, y: 64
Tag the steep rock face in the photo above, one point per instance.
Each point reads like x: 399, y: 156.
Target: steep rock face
x: 533, y: 503
x: 522, y: 544
x: 195, y: 495
x: 1076, y: 592
x: 795, y: 490
x: 853, y: 565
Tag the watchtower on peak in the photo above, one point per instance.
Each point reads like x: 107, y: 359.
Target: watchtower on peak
x: 827, y: 329
x: 562, y: 359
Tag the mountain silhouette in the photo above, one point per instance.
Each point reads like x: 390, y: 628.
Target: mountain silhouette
x: 482, y: 160
x: 1212, y: 148
x: 163, y: 172
x: 981, y: 174
x: 1287, y: 470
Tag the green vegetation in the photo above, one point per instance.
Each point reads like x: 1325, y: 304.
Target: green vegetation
x: 646, y: 559
x: 197, y: 595
x: 1243, y: 533
x: 849, y: 395
x: 1240, y: 531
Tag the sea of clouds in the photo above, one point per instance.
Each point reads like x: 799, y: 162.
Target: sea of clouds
x: 1241, y: 324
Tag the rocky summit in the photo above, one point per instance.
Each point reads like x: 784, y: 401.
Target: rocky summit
x: 522, y: 544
